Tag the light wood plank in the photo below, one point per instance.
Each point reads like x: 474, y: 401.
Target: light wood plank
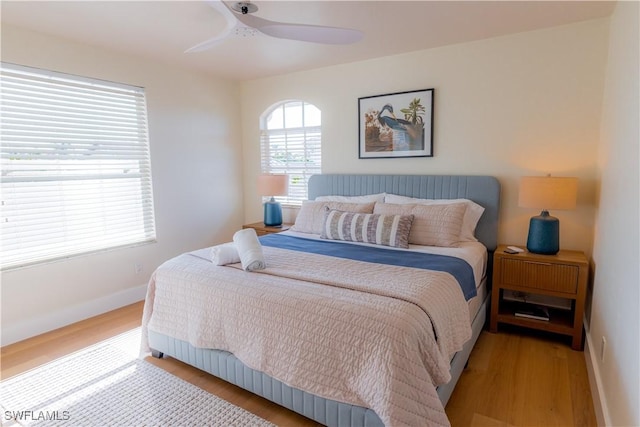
x: 28, y: 354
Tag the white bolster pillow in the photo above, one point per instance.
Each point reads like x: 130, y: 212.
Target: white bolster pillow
x: 224, y: 254
x: 249, y: 249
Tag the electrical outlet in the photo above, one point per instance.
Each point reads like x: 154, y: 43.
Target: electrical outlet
x: 138, y: 267
x: 603, y: 348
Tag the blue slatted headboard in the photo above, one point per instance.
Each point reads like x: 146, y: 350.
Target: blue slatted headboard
x: 484, y: 190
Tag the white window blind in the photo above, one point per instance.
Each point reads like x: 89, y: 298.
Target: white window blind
x: 291, y: 143
x: 76, y: 174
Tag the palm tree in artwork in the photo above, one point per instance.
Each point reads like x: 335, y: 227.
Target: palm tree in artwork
x: 414, y: 112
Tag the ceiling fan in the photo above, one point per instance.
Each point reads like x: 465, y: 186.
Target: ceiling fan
x: 242, y: 23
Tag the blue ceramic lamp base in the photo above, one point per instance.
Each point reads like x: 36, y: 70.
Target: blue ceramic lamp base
x: 544, y: 234
x: 272, y: 213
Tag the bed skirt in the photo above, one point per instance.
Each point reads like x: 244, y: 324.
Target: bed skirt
x: 225, y: 365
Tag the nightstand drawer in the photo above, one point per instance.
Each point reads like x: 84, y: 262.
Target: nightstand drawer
x: 540, y: 275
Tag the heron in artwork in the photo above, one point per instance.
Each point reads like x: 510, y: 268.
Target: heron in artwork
x: 392, y: 121
x: 405, y: 133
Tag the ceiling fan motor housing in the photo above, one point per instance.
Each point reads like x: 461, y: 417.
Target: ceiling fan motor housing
x: 244, y: 7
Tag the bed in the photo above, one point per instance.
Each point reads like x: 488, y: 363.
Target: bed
x: 322, y: 389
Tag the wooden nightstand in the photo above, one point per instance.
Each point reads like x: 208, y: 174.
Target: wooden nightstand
x: 562, y: 275
x: 262, y: 229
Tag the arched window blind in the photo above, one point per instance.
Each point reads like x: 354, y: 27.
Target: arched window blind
x: 291, y: 143
x: 76, y: 173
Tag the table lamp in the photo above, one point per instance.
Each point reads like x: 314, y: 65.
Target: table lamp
x: 273, y: 185
x: 546, y: 192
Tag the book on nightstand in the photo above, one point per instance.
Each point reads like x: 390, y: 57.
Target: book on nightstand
x: 532, y: 311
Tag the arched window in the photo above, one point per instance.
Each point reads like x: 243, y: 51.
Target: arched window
x: 290, y: 142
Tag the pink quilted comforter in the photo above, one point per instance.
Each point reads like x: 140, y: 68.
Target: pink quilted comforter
x: 350, y: 331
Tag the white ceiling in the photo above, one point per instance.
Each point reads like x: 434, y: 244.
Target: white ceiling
x: 162, y: 30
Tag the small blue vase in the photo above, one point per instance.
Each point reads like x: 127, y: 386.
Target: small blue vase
x: 544, y: 234
x: 272, y: 213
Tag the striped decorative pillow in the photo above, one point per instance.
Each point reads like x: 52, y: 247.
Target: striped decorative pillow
x: 388, y: 230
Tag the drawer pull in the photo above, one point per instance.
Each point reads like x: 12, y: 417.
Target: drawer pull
x: 539, y: 263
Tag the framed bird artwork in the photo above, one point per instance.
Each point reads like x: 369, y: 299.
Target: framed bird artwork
x: 396, y: 125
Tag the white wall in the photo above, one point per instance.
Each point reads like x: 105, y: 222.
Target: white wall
x: 197, y: 181
x: 517, y: 105
x: 616, y: 255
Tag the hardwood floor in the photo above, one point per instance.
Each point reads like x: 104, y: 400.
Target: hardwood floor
x: 523, y: 378
x: 514, y: 378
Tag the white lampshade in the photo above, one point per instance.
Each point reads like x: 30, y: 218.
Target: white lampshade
x: 273, y: 185
x: 546, y: 192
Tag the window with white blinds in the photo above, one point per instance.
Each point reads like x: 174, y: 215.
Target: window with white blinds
x: 291, y: 143
x: 76, y: 173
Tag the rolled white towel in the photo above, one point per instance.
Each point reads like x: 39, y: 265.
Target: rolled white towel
x: 249, y: 249
x: 224, y: 254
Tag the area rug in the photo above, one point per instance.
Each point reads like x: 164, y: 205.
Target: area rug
x: 108, y: 385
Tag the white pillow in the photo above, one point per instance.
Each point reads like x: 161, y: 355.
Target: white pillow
x: 471, y: 217
x: 310, y: 218
x: 353, y: 199
x: 433, y: 225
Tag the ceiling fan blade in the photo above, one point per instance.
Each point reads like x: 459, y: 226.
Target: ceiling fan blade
x: 208, y: 44
x: 232, y: 23
x: 312, y: 33
x: 244, y: 24
x: 224, y: 9
x: 301, y: 32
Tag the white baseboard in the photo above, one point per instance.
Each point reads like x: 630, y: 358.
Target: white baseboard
x: 595, y: 382
x: 50, y: 321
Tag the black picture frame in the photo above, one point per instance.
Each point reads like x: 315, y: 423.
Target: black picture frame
x: 396, y: 125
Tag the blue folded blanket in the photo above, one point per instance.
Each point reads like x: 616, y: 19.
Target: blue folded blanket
x: 459, y: 268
